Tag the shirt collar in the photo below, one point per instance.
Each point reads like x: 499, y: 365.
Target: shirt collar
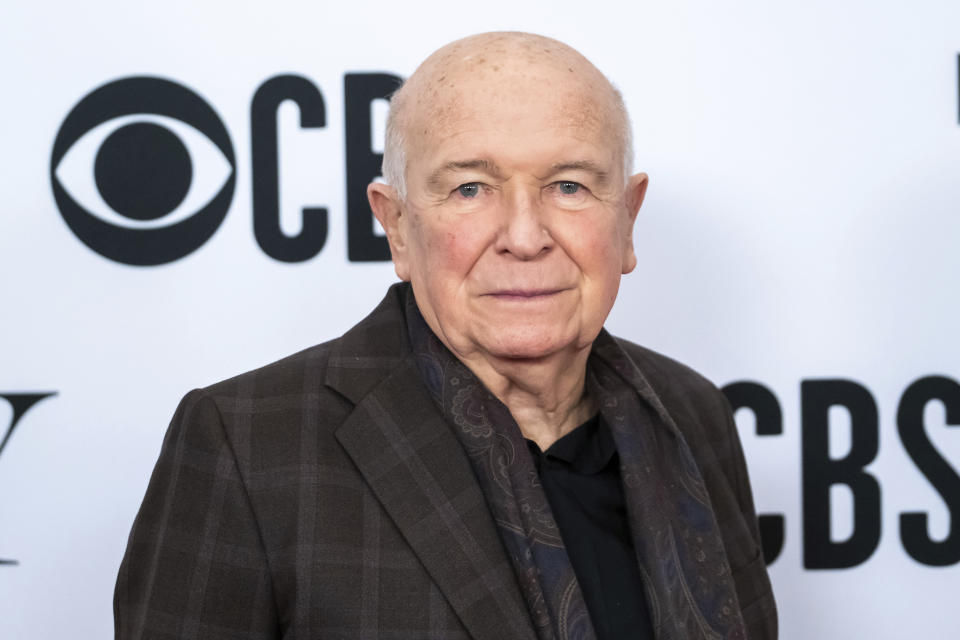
x: 587, y: 450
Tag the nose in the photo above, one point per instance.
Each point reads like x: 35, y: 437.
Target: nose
x: 524, y: 232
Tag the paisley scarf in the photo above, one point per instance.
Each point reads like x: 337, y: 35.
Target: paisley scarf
x: 689, y: 588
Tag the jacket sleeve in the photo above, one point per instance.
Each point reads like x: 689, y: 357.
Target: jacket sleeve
x: 195, y: 565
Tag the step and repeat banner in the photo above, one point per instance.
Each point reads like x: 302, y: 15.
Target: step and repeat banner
x: 183, y: 200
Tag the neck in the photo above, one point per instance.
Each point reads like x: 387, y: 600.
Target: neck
x: 546, y: 396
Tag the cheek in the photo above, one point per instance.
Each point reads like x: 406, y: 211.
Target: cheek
x: 597, y: 248
x: 452, y: 248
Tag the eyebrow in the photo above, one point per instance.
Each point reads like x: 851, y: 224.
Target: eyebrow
x: 598, y: 172
x: 481, y: 164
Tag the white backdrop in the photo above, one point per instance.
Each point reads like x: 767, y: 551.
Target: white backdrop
x: 801, y: 225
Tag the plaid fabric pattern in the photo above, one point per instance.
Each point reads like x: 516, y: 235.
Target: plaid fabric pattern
x: 324, y: 496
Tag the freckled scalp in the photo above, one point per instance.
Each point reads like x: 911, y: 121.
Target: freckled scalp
x: 439, y: 91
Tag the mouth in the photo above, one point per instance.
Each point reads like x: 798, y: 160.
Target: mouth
x: 521, y: 295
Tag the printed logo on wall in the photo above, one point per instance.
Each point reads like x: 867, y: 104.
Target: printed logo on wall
x: 20, y: 403
x: 821, y: 472
x: 132, y: 131
x: 143, y: 169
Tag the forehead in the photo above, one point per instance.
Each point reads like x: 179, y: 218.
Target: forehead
x: 511, y: 113
x: 538, y: 91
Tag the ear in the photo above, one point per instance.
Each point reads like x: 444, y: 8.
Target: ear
x: 388, y: 209
x: 636, y: 190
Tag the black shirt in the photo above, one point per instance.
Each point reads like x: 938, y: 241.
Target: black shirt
x: 581, y: 477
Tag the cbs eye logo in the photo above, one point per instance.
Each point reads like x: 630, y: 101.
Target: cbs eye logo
x: 143, y: 171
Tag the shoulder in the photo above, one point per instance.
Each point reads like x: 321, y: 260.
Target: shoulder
x: 656, y: 365
x: 679, y: 387
x: 286, y: 376
x: 313, y: 390
x: 258, y: 418
x: 348, y: 366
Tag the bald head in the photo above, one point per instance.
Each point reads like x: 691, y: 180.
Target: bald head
x: 497, y: 66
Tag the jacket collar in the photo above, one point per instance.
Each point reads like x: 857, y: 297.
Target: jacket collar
x: 420, y: 474
x: 368, y: 352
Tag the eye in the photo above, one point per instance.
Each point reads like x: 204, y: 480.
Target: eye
x: 469, y: 190
x: 568, y: 187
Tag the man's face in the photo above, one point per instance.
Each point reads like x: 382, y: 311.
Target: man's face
x: 517, y: 223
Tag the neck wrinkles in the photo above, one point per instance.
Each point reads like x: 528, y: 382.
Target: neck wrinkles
x: 546, y: 397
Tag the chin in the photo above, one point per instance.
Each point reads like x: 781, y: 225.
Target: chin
x: 528, y: 347
x: 523, y: 354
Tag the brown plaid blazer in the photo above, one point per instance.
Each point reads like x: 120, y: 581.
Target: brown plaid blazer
x: 323, y: 496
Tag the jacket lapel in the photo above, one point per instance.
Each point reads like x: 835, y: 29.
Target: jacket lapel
x: 420, y: 474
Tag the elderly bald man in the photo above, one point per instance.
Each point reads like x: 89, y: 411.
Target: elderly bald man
x: 477, y: 458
